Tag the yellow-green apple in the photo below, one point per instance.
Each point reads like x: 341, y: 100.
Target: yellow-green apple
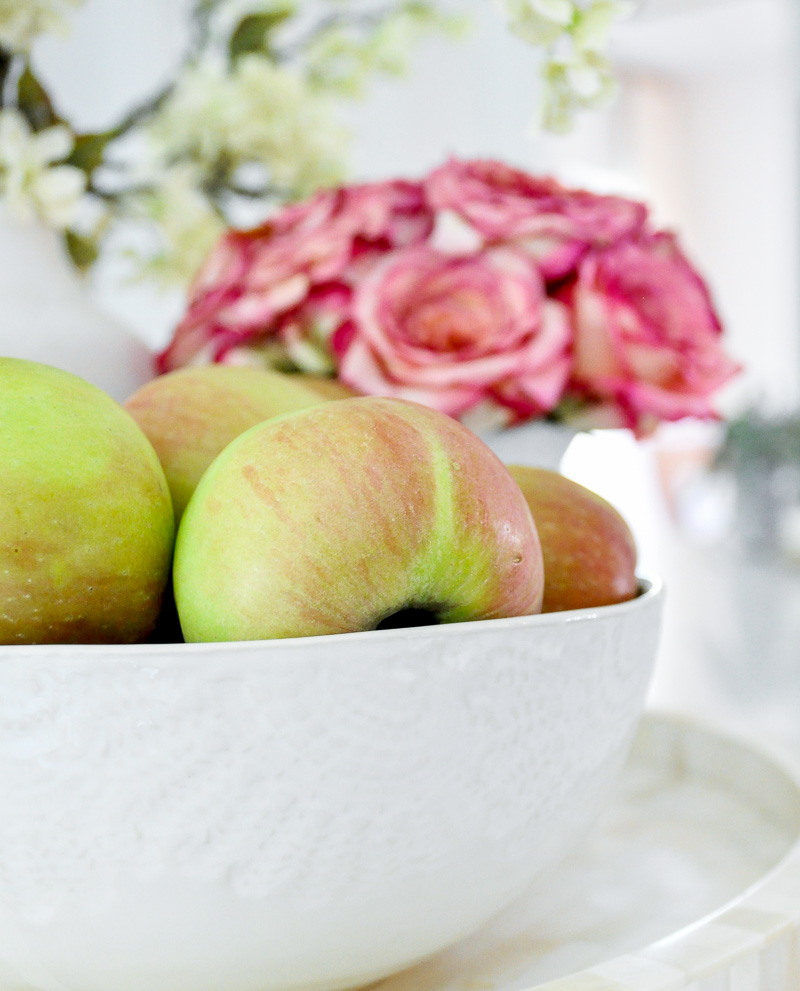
x: 588, y: 548
x: 86, y: 524
x: 328, y: 388
x: 190, y: 415
x: 354, y: 515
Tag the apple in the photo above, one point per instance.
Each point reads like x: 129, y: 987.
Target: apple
x: 328, y: 388
x: 86, y: 523
x: 588, y: 548
x: 354, y: 515
x: 190, y: 415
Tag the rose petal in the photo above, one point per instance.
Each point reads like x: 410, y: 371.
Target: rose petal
x: 647, y: 333
x: 361, y: 371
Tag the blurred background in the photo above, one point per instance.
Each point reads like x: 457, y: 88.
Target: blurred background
x: 707, y: 130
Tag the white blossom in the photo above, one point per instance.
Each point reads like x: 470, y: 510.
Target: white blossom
x: 573, y: 36
x: 583, y: 80
x: 22, y: 20
x: 310, y: 356
x: 31, y: 184
x: 259, y: 112
x: 186, y: 225
x: 342, y: 60
x: 277, y: 119
x: 194, y: 121
x: 593, y: 23
x: 539, y: 22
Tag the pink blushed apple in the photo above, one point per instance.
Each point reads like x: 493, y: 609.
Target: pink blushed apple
x: 190, y: 415
x: 350, y: 516
x: 588, y: 549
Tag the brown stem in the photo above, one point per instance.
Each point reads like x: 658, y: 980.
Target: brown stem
x: 6, y: 58
x: 142, y: 112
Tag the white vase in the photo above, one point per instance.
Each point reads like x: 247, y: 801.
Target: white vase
x: 539, y: 443
x: 47, y: 315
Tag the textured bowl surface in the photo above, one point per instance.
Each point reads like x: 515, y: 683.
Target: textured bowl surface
x: 298, y: 815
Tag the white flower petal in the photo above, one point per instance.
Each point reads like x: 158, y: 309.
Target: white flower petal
x: 15, y: 136
x: 18, y: 202
x: 308, y: 357
x: 57, y: 193
x: 595, y: 22
x: 22, y: 20
x: 584, y: 80
x: 558, y: 11
x: 453, y: 235
x: 53, y: 144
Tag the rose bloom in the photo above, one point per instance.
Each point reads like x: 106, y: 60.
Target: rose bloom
x: 555, y: 224
x: 253, y: 279
x: 480, y: 286
x: 647, y: 337
x: 453, y: 331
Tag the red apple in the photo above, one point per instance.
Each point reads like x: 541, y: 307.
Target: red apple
x: 588, y: 548
x: 349, y: 516
x: 190, y: 415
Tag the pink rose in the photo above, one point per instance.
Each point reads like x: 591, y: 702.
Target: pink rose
x: 482, y: 284
x: 254, y: 278
x: 647, y: 337
x: 555, y: 224
x: 324, y: 311
x: 452, y: 331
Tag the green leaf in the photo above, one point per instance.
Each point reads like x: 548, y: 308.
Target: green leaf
x: 34, y: 101
x: 251, y: 33
x: 88, y: 151
x: 82, y: 250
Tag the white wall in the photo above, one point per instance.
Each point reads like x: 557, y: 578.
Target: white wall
x: 117, y: 53
x: 716, y: 113
x: 469, y: 98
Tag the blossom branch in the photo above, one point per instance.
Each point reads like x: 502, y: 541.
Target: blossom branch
x: 330, y: 22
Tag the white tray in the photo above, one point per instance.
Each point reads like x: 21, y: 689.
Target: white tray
x: 690, y: 879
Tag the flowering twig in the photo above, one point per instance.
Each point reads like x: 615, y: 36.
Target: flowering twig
x: 573, y: 37
x: 250, y: 119
x: 329, y: 22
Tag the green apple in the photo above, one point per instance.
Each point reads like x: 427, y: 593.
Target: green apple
x: 190, y: 415
x: 354, y: 515
x: 588, y: 548
x: 86, y: 524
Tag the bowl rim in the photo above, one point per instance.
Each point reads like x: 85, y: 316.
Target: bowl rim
x: 651, y: 590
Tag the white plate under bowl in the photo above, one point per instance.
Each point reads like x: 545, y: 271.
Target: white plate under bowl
x: 299, y: 815
x: 689, y: 879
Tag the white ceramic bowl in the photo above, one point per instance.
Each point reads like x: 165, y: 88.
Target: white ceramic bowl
x: 299, y: 814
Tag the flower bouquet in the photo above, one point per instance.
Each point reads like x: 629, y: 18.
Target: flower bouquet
x: 480, y: 290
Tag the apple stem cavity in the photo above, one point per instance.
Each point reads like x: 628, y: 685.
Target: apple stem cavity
x: 408, y: 617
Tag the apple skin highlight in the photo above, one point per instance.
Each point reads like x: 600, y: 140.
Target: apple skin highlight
x: 332, y: 519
